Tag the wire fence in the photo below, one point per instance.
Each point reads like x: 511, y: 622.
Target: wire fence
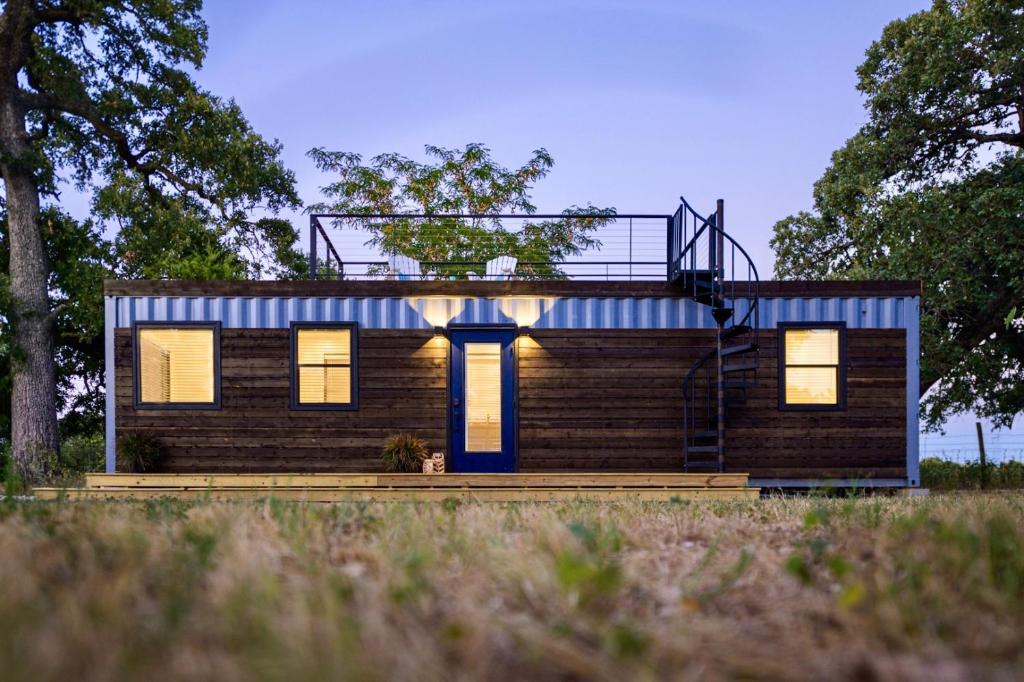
x: 577, y: 247
x: 963, y: 448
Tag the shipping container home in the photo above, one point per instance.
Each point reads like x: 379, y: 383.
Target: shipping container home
x: 681, y: 362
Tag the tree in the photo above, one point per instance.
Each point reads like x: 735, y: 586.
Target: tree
x: 80, y: 260
x: 462, y: 181
x: 98, y: 93
x: 932, y: 187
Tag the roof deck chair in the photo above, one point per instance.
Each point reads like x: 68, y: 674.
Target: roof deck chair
x: 501, y: 268
x: 404, y: 267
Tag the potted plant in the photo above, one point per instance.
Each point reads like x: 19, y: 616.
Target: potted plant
x: 404, y: 453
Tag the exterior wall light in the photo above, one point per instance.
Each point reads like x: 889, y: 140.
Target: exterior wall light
x: 440, y: 331
x: 524, y: 330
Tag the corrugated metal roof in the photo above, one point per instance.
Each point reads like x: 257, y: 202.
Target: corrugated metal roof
x: 540, y: 312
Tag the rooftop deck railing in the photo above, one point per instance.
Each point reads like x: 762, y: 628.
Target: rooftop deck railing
x: 573, y: 246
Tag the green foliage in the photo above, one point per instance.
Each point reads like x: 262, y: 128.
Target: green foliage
x: 464, y: 181
x: 404, y: 453
x: 180, y: 237
x: 591, y: 572
x: 932, y: 188
x: 138, y: 453
x: 81, y: 454
x: 941, y: 474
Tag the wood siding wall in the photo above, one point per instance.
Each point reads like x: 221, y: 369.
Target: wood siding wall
x: 612, y: 400
x: 403, y: 387
x: 605, y: 400
x: 589, y: 400
x: 866, y: 440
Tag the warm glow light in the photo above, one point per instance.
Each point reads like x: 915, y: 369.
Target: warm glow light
x: 483, y: 397
x: 176, y: 365
x: 812, y: 366
x: 527, y: 343
x: 324, y: 363
x: 438, y: 311
x: 524, y: 311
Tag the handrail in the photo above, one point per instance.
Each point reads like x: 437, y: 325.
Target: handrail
x: 717, y: 262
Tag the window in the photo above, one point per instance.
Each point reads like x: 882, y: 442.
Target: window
x: 177, y: 365
x: 812, y: 366
x: 323, y: 366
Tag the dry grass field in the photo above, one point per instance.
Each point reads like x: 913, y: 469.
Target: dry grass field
x: 872, y: 588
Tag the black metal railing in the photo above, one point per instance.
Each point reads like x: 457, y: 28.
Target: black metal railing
x: 572, y: 245
x: 710, y: 264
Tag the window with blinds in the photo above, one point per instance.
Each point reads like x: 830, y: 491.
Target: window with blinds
x: 483, y: 397
x: 323, y: 371
x: 176, y: 365
x: 812, y: 366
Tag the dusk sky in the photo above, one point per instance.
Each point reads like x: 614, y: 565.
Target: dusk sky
x: 637, y: 101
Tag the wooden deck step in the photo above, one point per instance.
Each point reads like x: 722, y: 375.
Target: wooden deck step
x: 406, y: 494
x: 329, y: 481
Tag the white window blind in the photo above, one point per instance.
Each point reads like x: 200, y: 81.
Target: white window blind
x: 811, y: 366
x: 176, y: 365
x: 324, y: 362
x: 483, y: 397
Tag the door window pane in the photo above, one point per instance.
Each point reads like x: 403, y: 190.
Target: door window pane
x: 176, y: 365
x: 483, y: 397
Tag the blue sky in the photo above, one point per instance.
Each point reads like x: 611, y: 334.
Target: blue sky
x: 637, y: 101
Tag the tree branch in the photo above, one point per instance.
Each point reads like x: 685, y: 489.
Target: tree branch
x: 85, y: 111
x: 1012, y: 139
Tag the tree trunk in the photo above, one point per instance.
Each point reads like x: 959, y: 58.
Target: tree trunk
x: 34, y: 437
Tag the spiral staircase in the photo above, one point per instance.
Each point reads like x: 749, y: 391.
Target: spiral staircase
x: 714, y: 270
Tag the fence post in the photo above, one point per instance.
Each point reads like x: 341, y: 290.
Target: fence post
x: 312, y: 247
x: 720, y: 239
x: 981, y: 455
x: 669, y: 239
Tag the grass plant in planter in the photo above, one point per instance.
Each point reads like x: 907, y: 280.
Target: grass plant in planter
x: 404, y: 454
x: 138, y: 453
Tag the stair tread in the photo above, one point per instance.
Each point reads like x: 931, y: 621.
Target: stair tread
x: 729, y: 369
x: 705, y: 434
x: 737, y: 350
x: 702, y: 448
x: 739, y: 383
x: 734, y: 330
x: 702, y: 465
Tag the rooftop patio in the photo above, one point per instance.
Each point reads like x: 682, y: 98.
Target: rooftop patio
x: 571, y: 246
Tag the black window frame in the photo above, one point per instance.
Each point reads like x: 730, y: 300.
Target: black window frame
x: 293, y: 366
x: 841, y: 368
x: 137, y: 402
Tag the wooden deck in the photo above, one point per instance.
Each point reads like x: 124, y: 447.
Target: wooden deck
x: 410, y: 487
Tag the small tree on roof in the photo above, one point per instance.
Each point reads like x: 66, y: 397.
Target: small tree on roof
x: 460, y: 181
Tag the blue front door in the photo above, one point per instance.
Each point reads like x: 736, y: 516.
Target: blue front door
x: 481, y: 410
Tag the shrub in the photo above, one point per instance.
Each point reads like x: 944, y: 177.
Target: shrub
x: 82, y: 454
x: 404, y: 453
x: 941, y: 474
x: 138, y: 453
